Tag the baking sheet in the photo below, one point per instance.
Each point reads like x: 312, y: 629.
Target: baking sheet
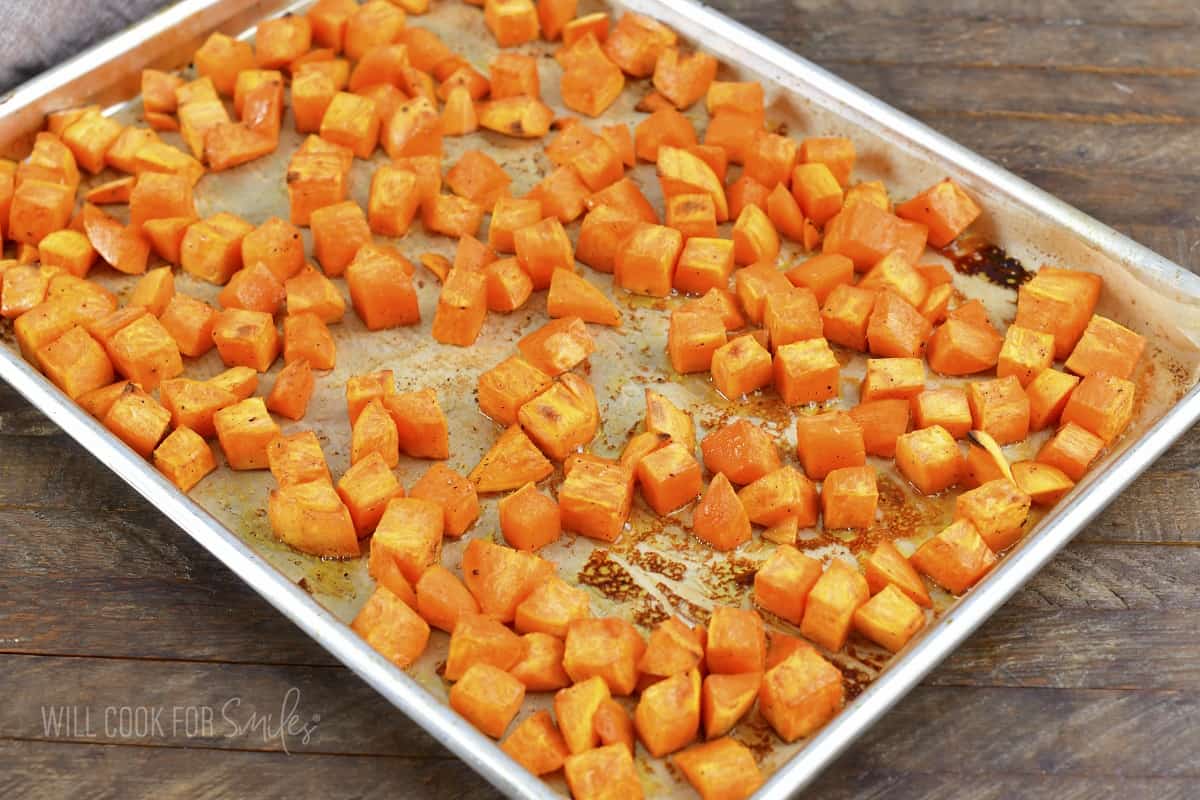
x: 656, y: 568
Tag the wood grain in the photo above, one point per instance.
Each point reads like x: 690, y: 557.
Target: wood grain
x: 1084, y: 686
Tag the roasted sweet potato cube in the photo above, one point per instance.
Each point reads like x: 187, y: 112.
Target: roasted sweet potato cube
x: 778, y: 495
x: 75, y: 362
x: 704, y: 263
x: 792, y: 316
x: 895, y: 328
x: 557, y: 346
x: 362, y: 389
x: 846, y: 315
x: 736, y: 643
x: 338, y: 232
x: 956, y: 559
x: 1048, y: 395
x: 741, y: 367
x: 665, y: 418
x: 536, y: 744
x: 645, y: 262
x: 962, y: 347
x: 1102, y: 404
x: 306, y: 338
x: 394, y: 201
x: 413, y: 129
x: 352, y: 121
x: 374, y: 431
x: 897, y: 377
x: 68, y: 250
x: 479, y: 639
x: 1106, y: 346
x: 408, y: 538
x: 381, y: 288
x: 185, y: 458
x: 366, y: 488
x: 137, y: 419
x: 693, y: 215
x: 1061, y: 302
x: 509, y: 214
x: 944, y: 208
x: 297, y: 459
x: 221, y: 58
x: 158, y: 156
x: 1045, y: 484
x: 42, y: 324
x: 723, y: 768
x: 602, y: 772
x: 145, y: 352
x: 882, y: 423
x: 241, y: 381
x: 829, y: 441
x: 889, y: 619
x: 245, y: 430
x: 670, y: 478
x: 193, y: 404
x: 1025, y: 354
x: 946, y: 407
x: 754, y: 284
x: 667, y: 716
x: 998, y: 510
x: 1071, y: 449
x: 454, y: 493
x: 310, y: 291
x: 862, y: 232
x: 461, y: 308
x: 477, y: 177
x: 89, y: 139
x: 984, y: 462
x: 314, y: 180
x: 506, y: 387
x: 1000, y: 408
x: 595, y: 500
x: 929, y: 458
x: 887, y: 566
x: 551, y: 608
x: 817, y: 191
x: 849, y: 498
x: 720, y: 519
x: 896, y: 274
x: 312, y: 92
x: 541, y: 670
x: 832, y: 601
x: 212, y: 249
x: 609, y: 648
x: 190, y: 323
x: 673, y: 648
x: 253, y: 288
x: 154, y: 290
x: 509, y: 286
x: 501, y: 578
x: 693, y: 338
x: 442, y: 599
x: 421, y: 424
x: 800, y: 694
x: 38, y: 209
x: 742, y: 451
x: 24, y: 289
x: 392, y: 628
x: 246, y: 338
x: 311, y: 518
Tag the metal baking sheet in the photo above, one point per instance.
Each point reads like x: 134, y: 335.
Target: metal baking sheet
x: 656, y: 568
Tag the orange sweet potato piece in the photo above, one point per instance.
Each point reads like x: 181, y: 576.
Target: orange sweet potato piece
x: 829, y: 613
x: 882, y: 423
x: 720, y: 769
x: 667, y: 717
x: 608, y: 648
x: 488, y: 697
x: 1102, y: 404
x: 311, y: 518
x: 374, y: 431
x: 1044, y: 484
x: 392, y: 628
x: 121, y: 246
x: 670, y: 478
x: 1058, y: 301
x: 944, y: 208
x: 454, y: 493
x: 849, y: 498
x: 480, y: 639
x: 736, y: 641
x: 536, y: 744
x: 185, y: 458
x: 75, y: 362
x: 407, y: 541
x: 558, y: 346
x: 720, y: 519
x: 502, y: 390
x: 529, y: 519
x: 693, y: 338
x: 309, y: 291
x: 673, y: 648
x: 783, y: 582
x: 1072, y: 450
x: 929, y: 459
x: 422, y: 426
x: 1048, y: 395
x: 800, y: 694
x: 145, y: 352
x: 741, y: 367
x: 665, y: 127
x: 603, y: 772
x: 292, y: 390
x: 542, y: 249
x: 366, y: 488
x: 246, y: 338
x: 742, y: 451
x: 829, y: 441
x: 887, y: 566
x: 551, y: 608
x: 307, y: 338
x: 1000, y: 408
x: 297, y: 459
x: 947, y: 407
x: 956, y: 558
x: 595, y: 500
x: 1106, y: 346
x: 889, y: 619
x: 500, y: 578
x: 137, y: 419
x: 846, y: 316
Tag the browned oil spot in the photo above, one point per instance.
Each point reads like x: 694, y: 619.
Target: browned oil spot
x: 727, y: 578
x: 658, y: 564
x: 610, y: 578
x: 903, y: 515
x: 649, y: 612
x: 755, y: 733
x: 855, y: 682
x: 973, y: 256
x: 687, y: 608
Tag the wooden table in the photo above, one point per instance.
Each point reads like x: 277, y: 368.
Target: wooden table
x: 1085, y: 685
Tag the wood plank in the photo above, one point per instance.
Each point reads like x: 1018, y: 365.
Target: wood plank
x: 837, y: 37
x: 52, y: 770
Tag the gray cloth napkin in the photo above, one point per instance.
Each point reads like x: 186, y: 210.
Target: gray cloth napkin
x: 38, y: 34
